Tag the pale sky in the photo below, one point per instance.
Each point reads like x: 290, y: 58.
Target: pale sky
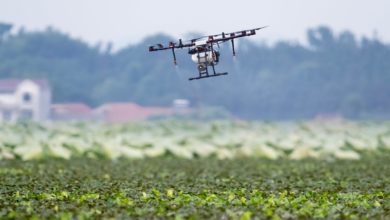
x: 128, y: 21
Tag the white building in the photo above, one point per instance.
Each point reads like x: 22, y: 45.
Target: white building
x: 24, y: 100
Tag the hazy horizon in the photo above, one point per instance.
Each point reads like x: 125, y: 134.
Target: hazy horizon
x: 119, y: 22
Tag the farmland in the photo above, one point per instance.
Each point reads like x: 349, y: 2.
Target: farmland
x: 189, y: 139
x: 194, y: 170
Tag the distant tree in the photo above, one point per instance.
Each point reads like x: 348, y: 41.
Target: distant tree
x: 5, y: 28
x: 321, y: 38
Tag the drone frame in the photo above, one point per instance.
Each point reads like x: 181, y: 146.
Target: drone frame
x: 211, y: 41
x: 203, y: 68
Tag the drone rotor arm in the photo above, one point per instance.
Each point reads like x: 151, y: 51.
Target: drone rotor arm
x: 196, y: 45
x: 229, y: 36
x: 171, y: 45
x: 217, y: 38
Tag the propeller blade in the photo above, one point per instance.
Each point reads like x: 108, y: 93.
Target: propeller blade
x: 256, y: 29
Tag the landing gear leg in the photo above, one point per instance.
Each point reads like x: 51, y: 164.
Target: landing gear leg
x: 204, y: 72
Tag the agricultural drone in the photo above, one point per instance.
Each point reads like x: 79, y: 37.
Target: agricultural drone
x: 203, y: 51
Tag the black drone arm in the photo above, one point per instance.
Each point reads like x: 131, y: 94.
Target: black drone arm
x: 212, y: 39
x: 233, y: 35
x: 170, y: 46
x: 221, y: 38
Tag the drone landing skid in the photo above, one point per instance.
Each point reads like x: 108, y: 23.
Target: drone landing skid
x: 204, y: 72
x: 208, y: 76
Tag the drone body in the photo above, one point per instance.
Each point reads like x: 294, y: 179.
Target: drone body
x: 202, y: 50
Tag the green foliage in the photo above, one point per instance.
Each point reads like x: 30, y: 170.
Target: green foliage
x: 193, y: 139
x: 334, y: 74
x: 195, y: 170
x: 195, y: 189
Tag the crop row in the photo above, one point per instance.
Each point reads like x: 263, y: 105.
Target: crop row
x: 195, y: 189
x: 186, y: 139
x: 232, y: 203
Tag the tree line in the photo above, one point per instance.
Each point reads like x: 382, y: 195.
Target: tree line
x: 336, y: 74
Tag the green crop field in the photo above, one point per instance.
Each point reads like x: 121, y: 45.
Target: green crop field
x: 194, y: 170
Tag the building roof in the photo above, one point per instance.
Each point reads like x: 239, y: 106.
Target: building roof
x: 10, y: 85
x: 71, y: 108
x: 125, y: 112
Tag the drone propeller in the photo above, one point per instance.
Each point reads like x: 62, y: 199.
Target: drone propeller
x: 198, y: 38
